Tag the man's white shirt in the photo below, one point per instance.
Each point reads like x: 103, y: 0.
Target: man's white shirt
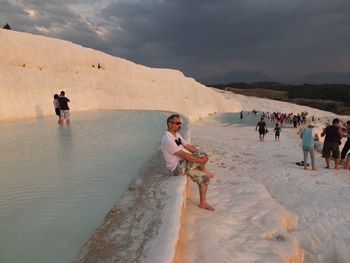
x: 170, y: 144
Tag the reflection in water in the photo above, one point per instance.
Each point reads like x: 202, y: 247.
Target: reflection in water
x: 39, y: 112
x: 57, y: 183
x: 64, y: 144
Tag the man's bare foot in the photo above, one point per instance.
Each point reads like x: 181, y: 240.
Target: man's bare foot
x: 206, y: 206
x: 336, y: 167
x: 314, y: 169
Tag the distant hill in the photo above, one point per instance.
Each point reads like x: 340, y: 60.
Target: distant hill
x: 326, y: 78
x: 236, y: 76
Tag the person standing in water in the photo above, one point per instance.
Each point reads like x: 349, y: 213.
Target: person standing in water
x: 184, y: 159
x: 64, y: 109
x: 56, y: 104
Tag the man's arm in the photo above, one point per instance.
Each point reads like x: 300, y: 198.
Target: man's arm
x: 342, y: 135
x: 190, y: 148
x: 316, y: 137
x: 190, y: 158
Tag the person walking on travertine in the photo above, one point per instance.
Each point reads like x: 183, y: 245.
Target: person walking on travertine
x: 308, y: 145
x: 64, y: 109
x: 184, y: 159
x: 262, y: 129
x: 347, y: 143
x: 331, y: 143
x: 277, y: 131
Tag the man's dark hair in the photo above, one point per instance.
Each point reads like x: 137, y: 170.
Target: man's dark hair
x: 171, y: 117
x: 335, y: 121
x: 62, y: 93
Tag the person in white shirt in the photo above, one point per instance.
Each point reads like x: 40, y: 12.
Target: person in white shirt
x: 56, y: 104
x: 184, y: 159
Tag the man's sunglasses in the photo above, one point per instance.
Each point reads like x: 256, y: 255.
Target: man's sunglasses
x: 177, y: 123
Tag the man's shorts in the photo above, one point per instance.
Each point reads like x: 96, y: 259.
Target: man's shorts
x: 331, y: 147
x: 192, y: 170
x: 262, y: 131
x: 64, y: 114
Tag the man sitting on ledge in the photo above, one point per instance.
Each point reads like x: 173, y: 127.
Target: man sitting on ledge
x: 181, y: 162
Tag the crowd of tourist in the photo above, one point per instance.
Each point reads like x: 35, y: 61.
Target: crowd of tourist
x: 333, y: 134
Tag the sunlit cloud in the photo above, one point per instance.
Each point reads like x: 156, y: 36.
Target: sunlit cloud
x: 31, y: 13
x: 281, y: 38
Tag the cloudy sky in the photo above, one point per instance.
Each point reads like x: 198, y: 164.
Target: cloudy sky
x: 284, y: 39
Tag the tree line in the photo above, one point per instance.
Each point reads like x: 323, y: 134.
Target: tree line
x: 337, y: 92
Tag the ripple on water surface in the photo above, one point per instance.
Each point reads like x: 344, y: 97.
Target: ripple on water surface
x: 57, y: 183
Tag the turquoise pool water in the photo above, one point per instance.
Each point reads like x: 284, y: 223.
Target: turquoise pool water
x: 57, y: 183
x: 249, y: 119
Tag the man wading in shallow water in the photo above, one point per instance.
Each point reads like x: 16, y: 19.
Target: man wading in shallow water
x: 181, y: 162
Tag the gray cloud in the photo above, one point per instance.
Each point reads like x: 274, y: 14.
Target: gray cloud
x: 281, y: 38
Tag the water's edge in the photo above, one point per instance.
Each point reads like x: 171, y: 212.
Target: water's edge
x: 144, y: 224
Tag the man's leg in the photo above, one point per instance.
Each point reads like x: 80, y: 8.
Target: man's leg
x: 202, y: 168
x: 347, y: 164
x: 345, y: 149
x: 203, y: 198
x: 67, y: 117
x: 305, y: 152
x: 327, y: 163
x: 60, y: 121
x: 209, y: 174
x: 326, y: 154
x: 336, y: 163
x: 336, y: 156
x: 313, y: 162
x: 201, y: 177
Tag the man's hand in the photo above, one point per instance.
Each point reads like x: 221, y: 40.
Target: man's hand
x: 204, y: 159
